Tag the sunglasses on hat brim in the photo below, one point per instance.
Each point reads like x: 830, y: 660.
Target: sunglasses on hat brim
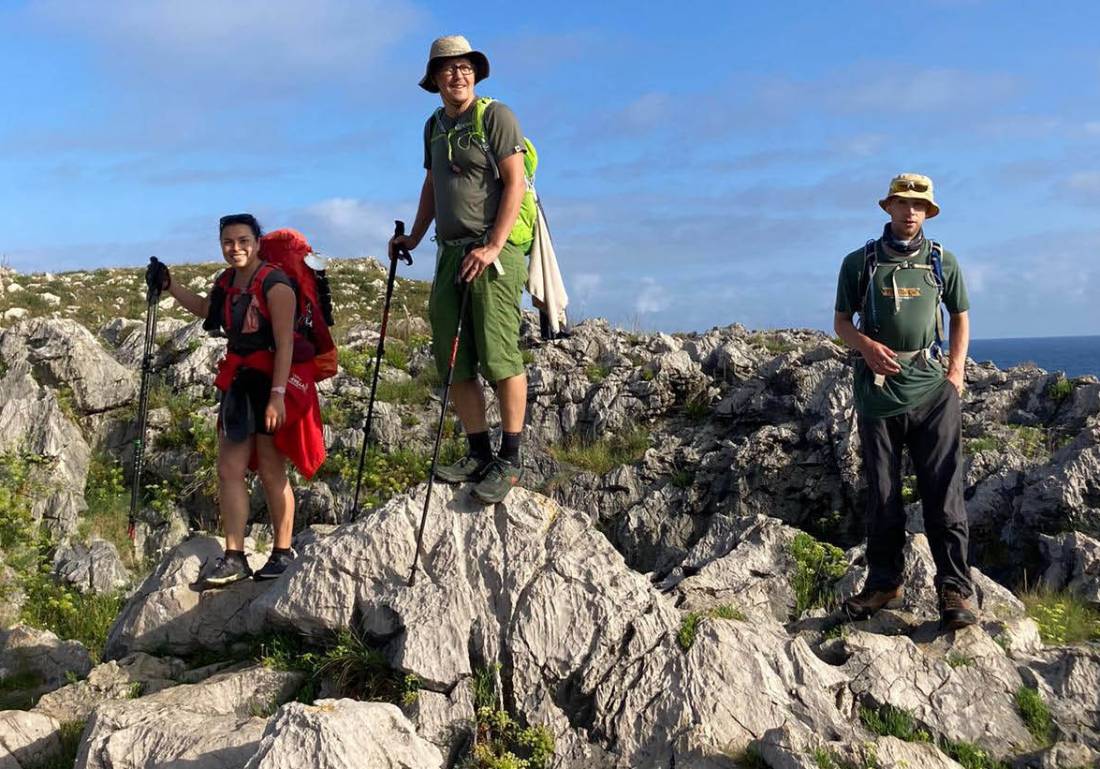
x: 907, y: 185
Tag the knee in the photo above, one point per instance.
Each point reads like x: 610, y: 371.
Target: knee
x: 272, y: 473
x: 229, y: 471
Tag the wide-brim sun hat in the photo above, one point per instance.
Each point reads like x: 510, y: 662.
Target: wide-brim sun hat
x: 449, y: 47
x: 916, y: 186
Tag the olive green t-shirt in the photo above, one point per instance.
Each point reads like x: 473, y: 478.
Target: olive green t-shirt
x: 467, y: 192
x: 905, y: 325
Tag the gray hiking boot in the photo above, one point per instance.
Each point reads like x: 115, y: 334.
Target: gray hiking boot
x: 469, y: 468
x: 275, y: 566
x: 500, y: 476
x: 227, y: 570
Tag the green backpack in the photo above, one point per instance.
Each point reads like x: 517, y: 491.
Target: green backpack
x: 523, y: 231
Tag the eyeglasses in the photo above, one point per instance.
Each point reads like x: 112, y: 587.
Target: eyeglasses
x: 452, y: 69
x: 902, y: 185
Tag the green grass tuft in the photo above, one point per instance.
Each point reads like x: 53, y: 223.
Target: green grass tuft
x: 689, y: 625
x: 818, y: 567
x: 888, y: 721
x: 1062, y: 617
x: 603, y: 455
x: 1060, y: 389
x: 1036, y: 715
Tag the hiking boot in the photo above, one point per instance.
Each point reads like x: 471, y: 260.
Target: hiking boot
x: 469, y: 468
x: 500, y: 476
x: 227, y: 570
x: 956, y: 611
x: 868, y: 601
x: 275, y: 566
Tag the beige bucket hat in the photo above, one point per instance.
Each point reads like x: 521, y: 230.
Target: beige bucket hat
x: 915, y: 186
x: 448, y: 47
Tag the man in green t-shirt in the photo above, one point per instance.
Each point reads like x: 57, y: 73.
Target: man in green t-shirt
x: 473, y: 186
x: 908, y: 395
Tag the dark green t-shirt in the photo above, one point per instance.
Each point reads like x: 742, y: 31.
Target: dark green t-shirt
x: 905, y: 324
x: 467, y: 192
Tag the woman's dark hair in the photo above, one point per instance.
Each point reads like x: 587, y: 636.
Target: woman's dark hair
x: 248, y: 219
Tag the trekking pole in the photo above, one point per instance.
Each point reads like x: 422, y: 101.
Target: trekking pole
x: 152, y: 298
x: 464, y: 291
x: 395, y: 254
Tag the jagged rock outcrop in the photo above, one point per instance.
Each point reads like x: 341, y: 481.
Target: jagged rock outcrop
x: 343, y: 734
x: 26, y: 651
x: 27, y: 739
x: 1073, y: 564
x: 169, y: 614
x: 133, y: 676
x: 210, y: 725
x: 92, y: 568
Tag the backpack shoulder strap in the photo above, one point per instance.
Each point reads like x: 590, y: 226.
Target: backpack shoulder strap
x: 870, y: 263
x: 480, y: 106
x: 935, y: 259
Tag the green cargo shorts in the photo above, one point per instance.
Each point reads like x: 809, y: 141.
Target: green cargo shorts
x: 490, y: 330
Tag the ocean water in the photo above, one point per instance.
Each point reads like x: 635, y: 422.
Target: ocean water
x: 1075, y: 355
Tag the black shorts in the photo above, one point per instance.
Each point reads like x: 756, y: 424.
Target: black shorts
x: 243, y: 405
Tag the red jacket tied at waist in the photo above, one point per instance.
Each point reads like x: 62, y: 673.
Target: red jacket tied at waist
x: 300, y: 439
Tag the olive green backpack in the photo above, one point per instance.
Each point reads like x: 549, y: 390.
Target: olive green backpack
x: 523, y: 231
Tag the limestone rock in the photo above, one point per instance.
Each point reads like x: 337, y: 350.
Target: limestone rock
x: 64, y: 353
x: 133, y: 676
x: 1074, y: 564
x: 343, y: 734
x: 210, y: 725
x: 92, y: 568
x: 40, y: 653
x: 27, y: 739
x: 166, y: 614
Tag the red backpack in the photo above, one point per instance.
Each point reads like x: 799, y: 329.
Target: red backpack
x: 287, y: 249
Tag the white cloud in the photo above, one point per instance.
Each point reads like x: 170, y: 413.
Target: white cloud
x: 652, y: 298
x: 246, y: 41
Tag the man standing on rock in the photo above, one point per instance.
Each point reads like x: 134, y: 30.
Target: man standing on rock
x: 472, y: 190
x: 908, y: 394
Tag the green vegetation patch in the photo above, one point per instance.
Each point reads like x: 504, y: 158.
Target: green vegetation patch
x: 970, y: 756
x: 596, y: 373
x: 771, y: 342
x: 500, y: 741
x: 689, y: 626
x: 605, y: 454
x: 69, y: 735
x: 818, y: 567
x: 1036, y: 715
x: 889, y: 721
x: 387, y: 473
x: 1060, y: 389
x: 354, y: 666
x: 1062, y: 617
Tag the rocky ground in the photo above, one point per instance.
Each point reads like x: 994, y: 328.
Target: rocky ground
x: 663, y: 595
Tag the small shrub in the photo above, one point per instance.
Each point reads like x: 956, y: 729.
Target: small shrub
x: 500, y: 742
x: 888, y: 721
x: 751, y: 758
x: 982, y: 443
x: 1031, y: 442
x: 970, y: 756
x: 1036, y: 714
x: 689, y: 625
x: 69, y: 735
x: 1062, y: 617
x: 603, y: 455
x: 957, y: 660
x: 682, y: 479
x: 697, y: 409
x: 1060, y: 389
x: 818, y: 567
x: 596, y: 373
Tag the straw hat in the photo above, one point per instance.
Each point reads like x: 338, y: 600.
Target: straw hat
x: 915, y: 186
x: 449, y: 47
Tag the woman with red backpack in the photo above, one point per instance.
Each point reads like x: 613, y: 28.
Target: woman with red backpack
x: 254, y: 303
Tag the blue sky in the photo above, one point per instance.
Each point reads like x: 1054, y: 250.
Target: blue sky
x: 701, y: 163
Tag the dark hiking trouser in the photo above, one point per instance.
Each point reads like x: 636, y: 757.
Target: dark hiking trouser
x: 933, y: 434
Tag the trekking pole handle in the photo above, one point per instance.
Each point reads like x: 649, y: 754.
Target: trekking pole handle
x: 400, y: 252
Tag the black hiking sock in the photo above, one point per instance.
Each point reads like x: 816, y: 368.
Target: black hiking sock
x: 281, y: 551
x: 236, y: 555
x: 480, y: 447
x: 509, y: 447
